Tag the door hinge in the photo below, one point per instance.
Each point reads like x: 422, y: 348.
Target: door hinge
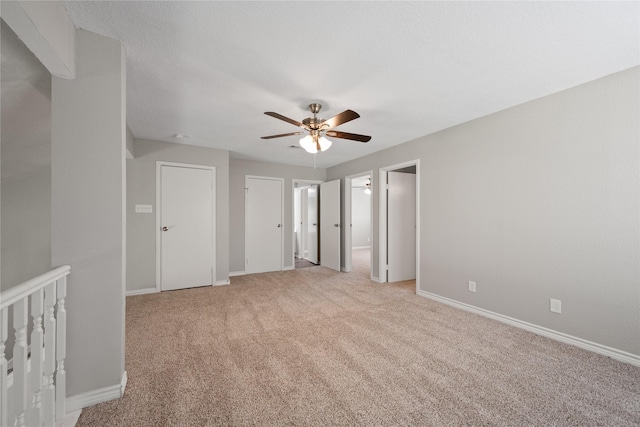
x: 386, y: 267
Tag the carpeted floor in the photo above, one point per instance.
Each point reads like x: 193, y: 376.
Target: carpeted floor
x: 303, y: 263
x: 317, y: 347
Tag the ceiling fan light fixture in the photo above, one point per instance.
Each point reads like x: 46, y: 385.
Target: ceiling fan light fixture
x: 316, y: 127
x: 308, y: 144
x: 324, y: 143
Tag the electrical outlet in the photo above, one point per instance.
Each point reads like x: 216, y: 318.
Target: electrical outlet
x: 555, y: 305
x: 472, y: 286
x: 144, y: 209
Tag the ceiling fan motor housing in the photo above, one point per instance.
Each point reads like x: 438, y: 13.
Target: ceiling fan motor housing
x: 313, y: 122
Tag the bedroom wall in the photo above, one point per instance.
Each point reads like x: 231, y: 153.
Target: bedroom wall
x: 141, y: 189
x: 88, y: 125
x: 25, y: 150
x: 535, y: 202
x: 238, y: 169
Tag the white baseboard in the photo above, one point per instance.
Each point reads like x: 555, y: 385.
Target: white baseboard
x: 141, y: 291
x: 289, y: 267
x: 222, y: 282
x: 84, y: 400
x: 613, y: 353
x: 376, y: 279
x: 361, y: 247
x: 70, y: 419
x: 236, y: 273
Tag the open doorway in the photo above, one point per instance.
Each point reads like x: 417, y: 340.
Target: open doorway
x: 305, y: 220
x: 399, y: 223
x: 358, y: 212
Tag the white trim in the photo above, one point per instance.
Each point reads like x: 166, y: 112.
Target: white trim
x: 236, y: 273
x: 84, y: 400
x: 376, y: 279
x: 141, y: 291
x: 70, y: 419
x: 289, y: 268
x: 222, y: 282
x: 214, y: 190
x: 620, y: 355
x: 361, y: 247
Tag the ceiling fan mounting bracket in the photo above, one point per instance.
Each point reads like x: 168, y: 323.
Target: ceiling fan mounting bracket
x: 315, y: 108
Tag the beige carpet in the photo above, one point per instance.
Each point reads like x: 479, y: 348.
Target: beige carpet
x: 318, y: 347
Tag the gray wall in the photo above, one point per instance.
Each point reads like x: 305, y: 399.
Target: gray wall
x: 360, y: 218
x: 238, y: 169
x: 535, y: 202
x: 26, y: 227
x: 25, y: 145
x: 87, y: 211
x: 141, y: 189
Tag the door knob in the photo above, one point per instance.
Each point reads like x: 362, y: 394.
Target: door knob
x: 278, y: 225
x: 336, y: 225
x: 165, y: 228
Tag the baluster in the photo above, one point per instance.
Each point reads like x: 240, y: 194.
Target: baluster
x: 37, y: 341
x: 61, y: 349
x: 20, y: 379
x: 4, y: 383
x: 48, y: 392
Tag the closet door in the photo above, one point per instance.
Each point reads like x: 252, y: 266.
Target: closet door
x: 263, y: 224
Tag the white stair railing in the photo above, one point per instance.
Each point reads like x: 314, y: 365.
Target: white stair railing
x: 32, y: 391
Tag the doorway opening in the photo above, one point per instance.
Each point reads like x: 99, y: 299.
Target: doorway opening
x: 358, y: 236
x: 399, y: 224
x: 305, y: 239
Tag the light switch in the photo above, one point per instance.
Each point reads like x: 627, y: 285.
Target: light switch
x: 144, y: 209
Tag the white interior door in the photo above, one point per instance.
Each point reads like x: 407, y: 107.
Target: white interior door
x: 187, y: 232
x: 297, y: 221
x: 263, y: 225
x: 312, y: 224
x: 401, y: 226
x: 330, y: 224
x: 304, y: 222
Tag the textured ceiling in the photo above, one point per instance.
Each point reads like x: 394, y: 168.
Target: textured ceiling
x: 210, y: 69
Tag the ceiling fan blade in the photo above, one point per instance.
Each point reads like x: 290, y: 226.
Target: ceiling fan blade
x: 286, y: 119
x: 347, y: 135
x: 281, y: 135
x: 338, y: 119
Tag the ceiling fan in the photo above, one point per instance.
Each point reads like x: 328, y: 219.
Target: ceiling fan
x: 317, y: 127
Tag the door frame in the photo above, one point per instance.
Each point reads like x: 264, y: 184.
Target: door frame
x: 214, y: 191
x: 347, y: 203
x: 304, y: 182
x: 382, y: 219
x: 246, y: 185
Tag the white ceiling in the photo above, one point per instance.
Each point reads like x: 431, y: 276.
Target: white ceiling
x: 210, y: 69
